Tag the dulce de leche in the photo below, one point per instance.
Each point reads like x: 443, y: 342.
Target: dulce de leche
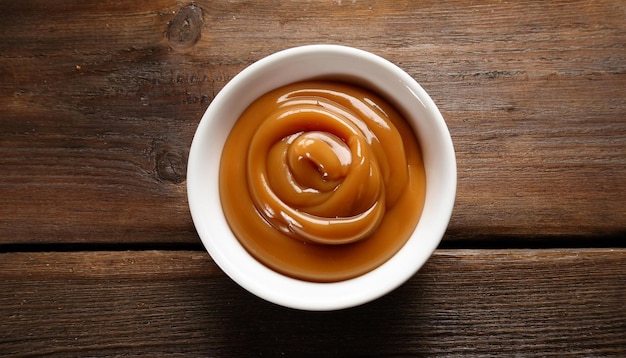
x: 322, y: 181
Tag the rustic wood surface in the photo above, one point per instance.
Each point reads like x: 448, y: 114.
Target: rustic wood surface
x: 99, y: 101
x: 476, y: 302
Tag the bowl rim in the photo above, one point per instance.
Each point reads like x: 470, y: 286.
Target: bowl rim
x: 203, y: 189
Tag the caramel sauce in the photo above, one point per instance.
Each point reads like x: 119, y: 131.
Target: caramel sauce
x: 322, y: 181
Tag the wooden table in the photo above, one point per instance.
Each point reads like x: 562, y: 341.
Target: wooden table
x: 99, y: 101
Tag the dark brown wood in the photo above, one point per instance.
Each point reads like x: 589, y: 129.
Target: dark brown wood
x: 523, y: 302
x: 100, y: 101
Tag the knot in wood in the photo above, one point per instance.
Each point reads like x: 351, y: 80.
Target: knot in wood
x: 171, y: 165
x: 184, y: 30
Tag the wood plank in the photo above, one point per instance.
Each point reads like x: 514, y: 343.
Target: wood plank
x: 100, y: 101
x: 489, y: 302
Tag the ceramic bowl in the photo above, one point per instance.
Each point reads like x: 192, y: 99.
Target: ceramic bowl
x: 294, y: 65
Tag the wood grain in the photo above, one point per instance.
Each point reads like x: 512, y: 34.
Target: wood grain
x: 463, y: 302
x: 99, y: 102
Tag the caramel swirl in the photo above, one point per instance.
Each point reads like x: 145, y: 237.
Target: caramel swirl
x: 319, y: 176
x: 314, y: 166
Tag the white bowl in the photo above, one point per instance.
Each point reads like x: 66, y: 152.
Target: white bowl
x: 293, y: 65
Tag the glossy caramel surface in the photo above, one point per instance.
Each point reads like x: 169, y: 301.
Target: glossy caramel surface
x: 322, y: 181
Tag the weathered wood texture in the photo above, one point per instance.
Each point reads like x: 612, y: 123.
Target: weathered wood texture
x: 99, y: 102
x: 98, y: 105
x: 487, y: 302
